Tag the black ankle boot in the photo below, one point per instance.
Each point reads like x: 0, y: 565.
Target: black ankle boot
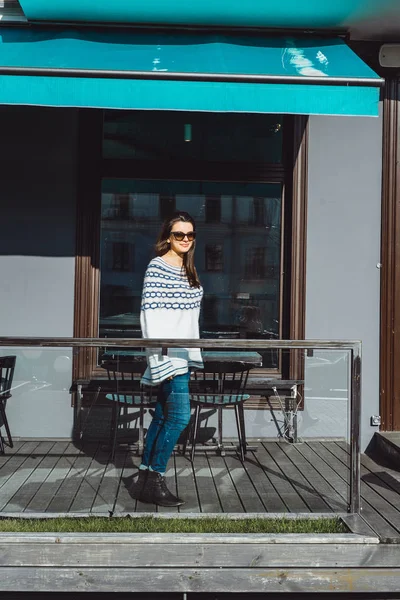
x: 156, y: 491
x: 138, y: 486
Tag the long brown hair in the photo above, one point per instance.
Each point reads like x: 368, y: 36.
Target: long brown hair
x: 162, y: 246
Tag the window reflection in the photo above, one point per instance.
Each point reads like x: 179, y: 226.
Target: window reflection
x: 166, y: 206
x: 255, y: 267
x: 238, y: 251
x: 214, y: 137
x: 214, y: 257
x: 213, y: 209
x: 257, y: 216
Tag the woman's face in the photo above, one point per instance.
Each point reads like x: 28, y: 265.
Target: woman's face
x: 181, y: 246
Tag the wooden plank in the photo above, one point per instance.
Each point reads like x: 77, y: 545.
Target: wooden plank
x: 388, y: 482
x: 374, y: 498
x: 271, y: 539
x: 9, y: 452
x: 107, y: 492
x: 217, y: 580
x: 244, y: 485
x: 177, y: 555
x: 15, y: 461
x: 311, y: 498
x: 263, y: 460
x: 332, y: 478
x: 121, y: 457
x: 20, y: 476
x: 125, y: 503
x: 379, y: 493
x: 87, y: 491
x: 332, y: 500
x: 226, y: 491
x: 337, y: 477
x: 32, y: 484
x: 207, y: 494
x: 65, y: 495
x: 373, y: 517
x: 279, y: 480
x: 388, y: 476
x: 186, y: 484
x: 270, y: 498
x: 50, y: 486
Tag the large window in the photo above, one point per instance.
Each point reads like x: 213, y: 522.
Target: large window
x: 234, y: 173
x: 244, y: 289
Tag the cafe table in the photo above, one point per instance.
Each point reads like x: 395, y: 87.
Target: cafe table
x: 285, y: 391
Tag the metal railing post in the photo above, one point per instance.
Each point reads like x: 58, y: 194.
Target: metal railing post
x: 355, y: 418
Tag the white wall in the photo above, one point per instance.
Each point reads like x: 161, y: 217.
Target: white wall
x: 38, y: 164
x: 343, y: 276
x: 343, y: 242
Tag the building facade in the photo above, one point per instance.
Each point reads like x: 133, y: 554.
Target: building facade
x: 295, y: 196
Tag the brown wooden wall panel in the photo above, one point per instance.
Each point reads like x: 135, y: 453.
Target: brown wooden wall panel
x: 390, y: 258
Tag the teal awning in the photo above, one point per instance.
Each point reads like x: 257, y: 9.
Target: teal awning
x: 191, y: 72
x: 327, y: 14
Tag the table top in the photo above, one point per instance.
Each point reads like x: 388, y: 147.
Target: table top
x: 246, y: 356
x: 264, y: 387
x: 257, y: 385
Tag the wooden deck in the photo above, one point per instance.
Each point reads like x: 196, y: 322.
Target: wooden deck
x: 50, y: 478
x: 59, y: 477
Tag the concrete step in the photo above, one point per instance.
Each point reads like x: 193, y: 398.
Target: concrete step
x: 386, y: 445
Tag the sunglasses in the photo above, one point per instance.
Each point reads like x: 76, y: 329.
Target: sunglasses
x: 180, y: 236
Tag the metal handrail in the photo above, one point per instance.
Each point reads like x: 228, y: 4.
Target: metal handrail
x: 179, y: 343
x: 352, y: 346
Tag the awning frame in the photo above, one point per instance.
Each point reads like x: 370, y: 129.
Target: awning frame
x: 185, y: 76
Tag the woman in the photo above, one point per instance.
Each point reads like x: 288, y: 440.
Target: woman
x: 171, y: 301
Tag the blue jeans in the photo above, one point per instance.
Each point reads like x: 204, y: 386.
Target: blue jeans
x: 172, y: 414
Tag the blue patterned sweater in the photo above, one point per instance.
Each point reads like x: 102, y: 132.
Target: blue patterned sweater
x: 170, y: 309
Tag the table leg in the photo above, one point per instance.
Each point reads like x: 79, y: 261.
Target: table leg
x: 295, y: 431
x: 141, y: 432
x: 79, y: 409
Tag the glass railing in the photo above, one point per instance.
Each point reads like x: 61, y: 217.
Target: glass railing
x: 285, y: 440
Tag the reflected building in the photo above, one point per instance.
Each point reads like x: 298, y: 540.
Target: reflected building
x: 239, y: 224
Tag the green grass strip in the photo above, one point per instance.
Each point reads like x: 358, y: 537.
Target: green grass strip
x: 160, y: 525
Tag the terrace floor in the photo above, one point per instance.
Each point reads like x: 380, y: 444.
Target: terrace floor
x: 58, y: 477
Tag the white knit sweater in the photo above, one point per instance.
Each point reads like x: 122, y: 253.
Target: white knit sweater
x: 170, y: 309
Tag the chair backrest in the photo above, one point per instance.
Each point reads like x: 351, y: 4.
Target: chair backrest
x: 126, y: 375
x: 125, y: 370
x: 220, y: 382
x: 7, y: 368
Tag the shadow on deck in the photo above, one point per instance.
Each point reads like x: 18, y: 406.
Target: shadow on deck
x: 57, y: 477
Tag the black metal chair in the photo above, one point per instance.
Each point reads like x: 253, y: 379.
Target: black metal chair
x: 7, y: 368
x: 127, y: 392
x: 219, y: 385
